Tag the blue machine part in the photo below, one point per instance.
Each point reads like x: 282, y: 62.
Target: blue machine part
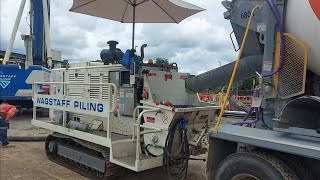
x: 38, y: 32
x: 13, y: 79
x: 126, y: 60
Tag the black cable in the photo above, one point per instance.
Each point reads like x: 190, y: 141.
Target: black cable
x: 175, y: 161
x: 264, y: 124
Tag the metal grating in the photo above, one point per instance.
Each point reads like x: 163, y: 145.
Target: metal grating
x: 76, y: 90
x: 97, y: 91
x: 105, y: 89
x: 293, y: 74
x: 94, y: 90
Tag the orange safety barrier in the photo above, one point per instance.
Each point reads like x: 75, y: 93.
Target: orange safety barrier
x: 206, y: 97
x: 218, y: 99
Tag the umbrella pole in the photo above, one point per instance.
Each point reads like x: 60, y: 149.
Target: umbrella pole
x: 134, y: 22
x: 132, y: 62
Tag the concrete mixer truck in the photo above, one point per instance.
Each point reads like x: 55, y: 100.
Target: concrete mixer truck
x: 279, y: 42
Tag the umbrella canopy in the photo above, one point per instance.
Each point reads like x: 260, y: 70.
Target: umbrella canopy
x: 137, y: 11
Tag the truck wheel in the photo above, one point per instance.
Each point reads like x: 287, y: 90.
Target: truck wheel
x: 254, y: 165
x: 298, y: 165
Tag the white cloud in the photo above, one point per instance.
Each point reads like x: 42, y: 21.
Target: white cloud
x: 196, y: 44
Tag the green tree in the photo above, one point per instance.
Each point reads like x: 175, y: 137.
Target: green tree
x: 65, y: 63
x: 248, y: 84
x: 162, y: 62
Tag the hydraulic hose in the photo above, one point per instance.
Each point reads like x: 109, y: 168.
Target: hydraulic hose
x: 246, y: 117
x: 250, y: 122
x: 216, y: 128
x: 280, y: 26
x: 27, y: 138
x: 257, y: 112
x: 175, y: 161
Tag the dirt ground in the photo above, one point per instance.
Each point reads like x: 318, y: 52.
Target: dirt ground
x: 27, y: 160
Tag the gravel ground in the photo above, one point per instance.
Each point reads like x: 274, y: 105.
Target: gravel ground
x: 27, y: 160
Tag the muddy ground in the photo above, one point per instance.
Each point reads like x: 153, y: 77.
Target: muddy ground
x: 27, y: 160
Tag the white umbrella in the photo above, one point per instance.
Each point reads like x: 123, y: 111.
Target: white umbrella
x: 137, y: 11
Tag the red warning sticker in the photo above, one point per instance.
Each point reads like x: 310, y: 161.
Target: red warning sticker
x: 183, y: 76
x: 152, y: 74
x: 167, y: 77
x: 267, y: 65
x: 151, y: 120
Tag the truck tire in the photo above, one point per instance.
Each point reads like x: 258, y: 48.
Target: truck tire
x: 298, y: 165
x: 254, y: 165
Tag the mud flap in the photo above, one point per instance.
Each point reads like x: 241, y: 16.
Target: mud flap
x: 218, y: 151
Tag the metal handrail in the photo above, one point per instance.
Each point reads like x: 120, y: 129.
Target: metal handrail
x: 134, y: 118
x: 68, y: 83
x: 114, y: 96
x: 138, y: 128
x: 150, y: 131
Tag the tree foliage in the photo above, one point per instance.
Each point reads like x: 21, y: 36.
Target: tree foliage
x: 162, y: 62
x: 65, y: 63
x: 248, y: 84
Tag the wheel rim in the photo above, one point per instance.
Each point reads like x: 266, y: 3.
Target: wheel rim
x: 244, y: 177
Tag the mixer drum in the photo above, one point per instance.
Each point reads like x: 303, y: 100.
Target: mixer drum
x: 302, y: 19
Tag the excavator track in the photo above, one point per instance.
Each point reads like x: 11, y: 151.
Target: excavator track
x: 83, y: 163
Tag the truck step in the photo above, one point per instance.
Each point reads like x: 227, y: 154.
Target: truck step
x: 145, y: 162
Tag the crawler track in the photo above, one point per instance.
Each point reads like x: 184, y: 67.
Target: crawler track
x: 111, y: 170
